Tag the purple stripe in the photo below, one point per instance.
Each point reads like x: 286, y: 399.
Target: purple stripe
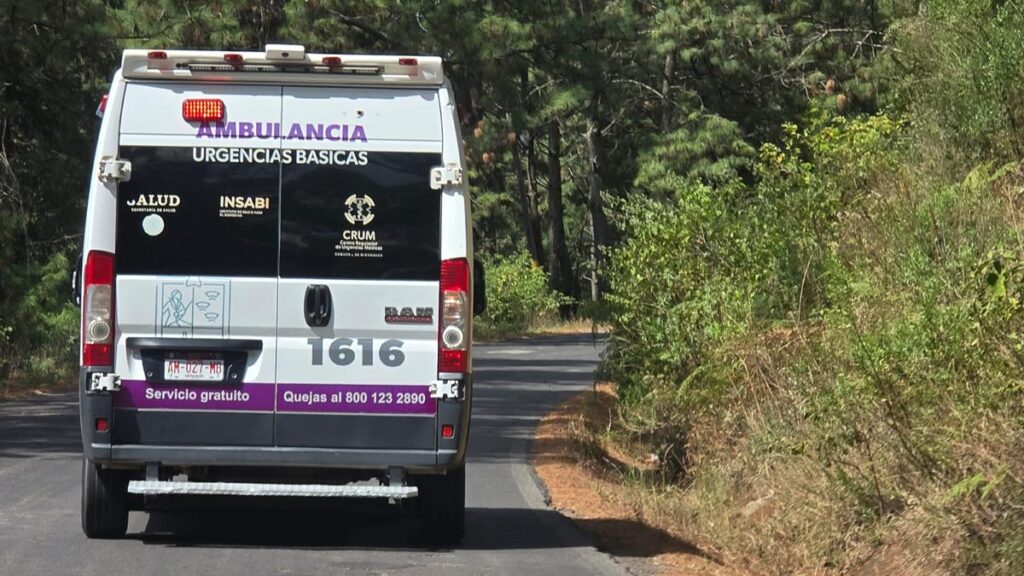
x: 260, y: 397
x: 215, y: 396
x: 355, y: 399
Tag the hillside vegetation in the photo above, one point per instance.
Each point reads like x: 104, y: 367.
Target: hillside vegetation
x: 827, y: 360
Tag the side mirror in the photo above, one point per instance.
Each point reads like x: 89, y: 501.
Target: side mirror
x: 479, y: 288
x: 76, y: 287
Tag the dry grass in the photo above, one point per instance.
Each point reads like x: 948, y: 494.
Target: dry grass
x: 739, y: 515
x: 18, y: 391
x: 572, y: 326
x: 545, y: 326
x: 587, y: 484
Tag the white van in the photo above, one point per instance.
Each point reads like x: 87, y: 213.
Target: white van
x: 277, y: 285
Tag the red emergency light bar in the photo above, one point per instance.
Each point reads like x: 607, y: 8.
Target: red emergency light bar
x: 202, y: 109
x: 281, y: 64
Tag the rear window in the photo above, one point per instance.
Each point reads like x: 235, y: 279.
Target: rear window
x: 177, y: 216
x: 375, y: 220
x: 293, y: 213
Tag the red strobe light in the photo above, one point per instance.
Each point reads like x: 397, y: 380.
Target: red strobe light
x: 202, y: 110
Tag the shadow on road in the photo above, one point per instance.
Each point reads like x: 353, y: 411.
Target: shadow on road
x: 34, y: 428
x: 349, y: 528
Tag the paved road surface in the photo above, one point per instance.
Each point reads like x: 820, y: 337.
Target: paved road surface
x: 509, y: 529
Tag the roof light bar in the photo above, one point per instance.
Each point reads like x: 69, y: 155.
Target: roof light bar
x: 282, y: 63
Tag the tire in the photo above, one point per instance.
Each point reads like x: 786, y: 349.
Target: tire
x: 441, y: 503
x: 104, y: 501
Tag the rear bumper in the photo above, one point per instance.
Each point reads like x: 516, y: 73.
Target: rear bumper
x: 120, y: 445
x: 136, y: 455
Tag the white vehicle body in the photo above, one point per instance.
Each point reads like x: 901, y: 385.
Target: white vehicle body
x: 271, y: 239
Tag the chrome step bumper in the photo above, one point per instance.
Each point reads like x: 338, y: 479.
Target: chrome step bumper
x: 153, y: 487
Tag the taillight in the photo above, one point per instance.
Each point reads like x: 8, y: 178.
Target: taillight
x: 454, y: 329
x: 98, y: 310
x: 102, y: 108
x: 202, y: 109
x: 412, y: 63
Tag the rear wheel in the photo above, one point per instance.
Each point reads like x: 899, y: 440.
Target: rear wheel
x: 442, y: 507
x: 104, y: 501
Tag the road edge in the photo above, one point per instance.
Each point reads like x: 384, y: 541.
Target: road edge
x: 578, y: 493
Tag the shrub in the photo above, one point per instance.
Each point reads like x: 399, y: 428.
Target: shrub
x: 844, y: 335
x: 38, y: 341
x: 518, y: 297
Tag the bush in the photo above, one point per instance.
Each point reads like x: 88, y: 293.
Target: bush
x: 844, y: 335
x: 704, y: 270
x: 518, y: 297
x: 39, y: 338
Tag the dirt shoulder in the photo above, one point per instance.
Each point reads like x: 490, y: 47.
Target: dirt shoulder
x: 21, y: 393
x: 598, y: 500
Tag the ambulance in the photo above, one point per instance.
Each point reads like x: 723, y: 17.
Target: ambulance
x: 277, y: 285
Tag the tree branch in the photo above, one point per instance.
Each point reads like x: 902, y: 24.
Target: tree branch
x: 349, y: 21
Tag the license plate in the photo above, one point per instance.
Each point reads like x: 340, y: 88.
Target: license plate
x: 204, y: 370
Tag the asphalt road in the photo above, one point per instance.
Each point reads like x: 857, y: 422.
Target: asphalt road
x: 509, y: 530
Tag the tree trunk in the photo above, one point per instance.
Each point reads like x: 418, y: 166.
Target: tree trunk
x: 666, y: 87
x: 532, y: 193
x: 598, y: 219
x: 524, y: 201
x: 559, y: 266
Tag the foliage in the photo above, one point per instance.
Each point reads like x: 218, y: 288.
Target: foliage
x: 518, y: 297
x: 563, y: 104
x: 841, y: 333
x: 53, y: 64
x: 959, y: 70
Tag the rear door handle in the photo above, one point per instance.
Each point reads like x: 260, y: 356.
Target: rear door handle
x: 319, y: 305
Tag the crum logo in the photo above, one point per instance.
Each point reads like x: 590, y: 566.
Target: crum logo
x: 359, y: 209
x: 407, y: 315
x: 275, y: 130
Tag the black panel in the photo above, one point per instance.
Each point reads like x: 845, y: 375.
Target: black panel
x: 218, y: 218
x: 193, y: 428
x: 355, y: 431
x: 378, y: 220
